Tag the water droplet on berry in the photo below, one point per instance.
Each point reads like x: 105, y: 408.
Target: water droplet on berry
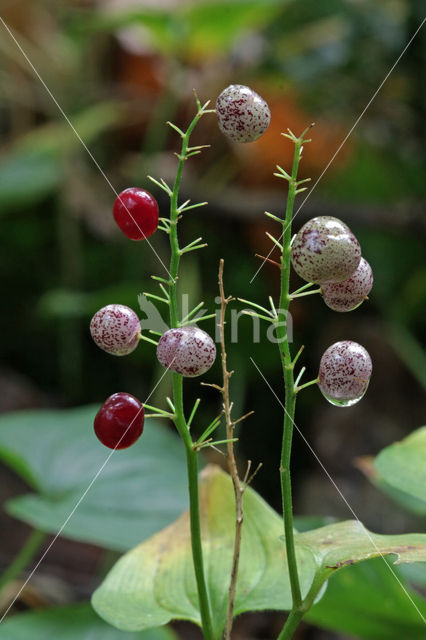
x: 189, y: 351
x: 243, y: 115
x: 344, y: 373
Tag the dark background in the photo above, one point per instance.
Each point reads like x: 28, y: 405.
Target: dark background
x: 119, y: 70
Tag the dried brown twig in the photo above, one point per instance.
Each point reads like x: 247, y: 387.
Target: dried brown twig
x: 239, y: 485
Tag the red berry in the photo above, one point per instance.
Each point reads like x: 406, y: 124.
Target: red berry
x: 119, y: 422
x: 136, y: 213
x: 344, y: 373
x: 115, y: 329
x: 349, y: 294
x: 189, y: 351
x: 325, y: 250
x: 242, y: 114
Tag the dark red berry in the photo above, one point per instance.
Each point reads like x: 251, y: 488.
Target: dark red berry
x: 189, y: 351
x: 119, y: 422
x: 136, y: 213
x: 116, y: 329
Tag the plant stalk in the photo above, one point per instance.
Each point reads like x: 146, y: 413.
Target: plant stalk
x: 288, y: 372
x: 180, y: 421
x: 296, y: 614
x: 23, y: 558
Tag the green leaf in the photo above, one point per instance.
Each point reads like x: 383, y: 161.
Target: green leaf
x: 367, y: 466
x: 367, y: 600
x: 155, y: 583
x: 139, y: 491
x: 72, y: 622
x: 345, y: 543
x: 403, y: 465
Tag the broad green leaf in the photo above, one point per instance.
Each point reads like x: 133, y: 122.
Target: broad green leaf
x: 155, y: 583
x: 369, y: 600
x: 366, y: 464
x: 345, y: 543
x: 139, y: 491
x: 72, y: 622
x: 402, y: 465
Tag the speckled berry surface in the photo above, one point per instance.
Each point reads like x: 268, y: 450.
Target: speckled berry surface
x: 136, y: 213
x: 243, y: 115
x: 349, y: 294
x: 119, y: 422
x: 344, y: 373
x: 115, y: 329
x: 325, y: 250
x: 189, y: 351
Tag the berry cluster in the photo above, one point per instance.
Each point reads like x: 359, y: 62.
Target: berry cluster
x: 116, y: 329
x: 326, y: 252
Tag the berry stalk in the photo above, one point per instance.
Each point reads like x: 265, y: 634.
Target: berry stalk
x: 179, y: 415
x: 288, y: 373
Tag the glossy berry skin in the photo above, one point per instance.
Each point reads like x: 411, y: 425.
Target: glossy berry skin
x: 187, y: 350
x: 349, y: 294
x: 243, y: 115
x: 136, y: 213
x: 344, y: 373
x: 119, y: 422
x: 115, y: 329
x: 325, y: 250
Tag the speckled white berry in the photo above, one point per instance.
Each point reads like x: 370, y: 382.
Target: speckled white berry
x: 349, y: 294
x: 243, y: 115
x: 325, y: 250
x: 187, y: 350
x: 115, y: 329
x: 344, y: 373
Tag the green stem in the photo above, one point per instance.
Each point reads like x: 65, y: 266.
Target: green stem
x: 296, y: 614
x: 23, y: 558
x: 180, y: 422
x: 290, y: 395
x: 291, y: 624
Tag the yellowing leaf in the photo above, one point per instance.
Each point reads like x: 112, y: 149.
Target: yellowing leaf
x: 155, y: 583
